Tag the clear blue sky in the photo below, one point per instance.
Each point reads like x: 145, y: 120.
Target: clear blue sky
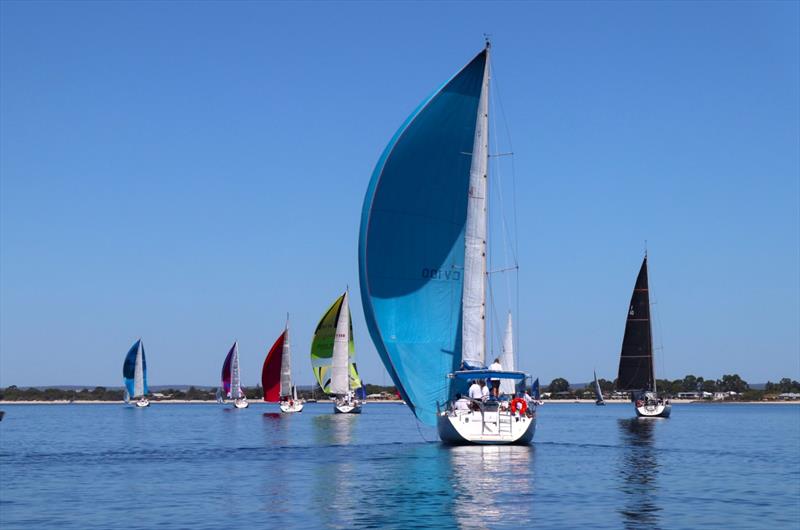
x: 189, y: 172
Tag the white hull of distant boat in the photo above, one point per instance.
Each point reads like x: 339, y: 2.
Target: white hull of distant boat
x: 350, y: 407
x: 142, y: 403
x: 654, y: 410
x: 291, y: 406
x: 240, y: 404
x: 489, y: 428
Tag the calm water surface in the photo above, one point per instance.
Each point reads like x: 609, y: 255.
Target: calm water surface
x: 203, y: 466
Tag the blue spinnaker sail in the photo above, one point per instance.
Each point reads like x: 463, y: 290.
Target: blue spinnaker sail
x: 411, y: 244
x: 129, y: 371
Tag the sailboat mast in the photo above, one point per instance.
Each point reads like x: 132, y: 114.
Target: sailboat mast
x: 473, y: 299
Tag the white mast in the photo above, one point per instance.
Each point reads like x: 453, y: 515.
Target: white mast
x: 236, y: 389
x: 473, y: 298
x: 507, y: 386
x: 286, y: 364
x: 340, y: 364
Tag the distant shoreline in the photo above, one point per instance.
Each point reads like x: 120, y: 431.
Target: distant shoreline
x: 393, y: 401
x: 673, y: 401
x: 173, y: 402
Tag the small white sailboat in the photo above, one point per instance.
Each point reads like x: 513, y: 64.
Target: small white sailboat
x: 636, y: 367
x: 598, y: 392
x: 231, y: 380
x: 276, y: 375
x: 294, y: 404
x: 134, y: 374
x: 423, y: 265
x: 332, y: 358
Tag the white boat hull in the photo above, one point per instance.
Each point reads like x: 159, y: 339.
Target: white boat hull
x: 294, y: 406
x: 241, y: 404
x: 347, y: 408
x: 655, y: 410
x: 493, y: 428
x: 142, y: 403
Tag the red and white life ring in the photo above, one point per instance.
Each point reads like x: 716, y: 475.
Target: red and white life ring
x: 518, y: 405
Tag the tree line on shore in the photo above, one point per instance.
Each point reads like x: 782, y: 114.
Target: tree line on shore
x: 192, y: 393
x: 561, y: 388
x: 558, y: 388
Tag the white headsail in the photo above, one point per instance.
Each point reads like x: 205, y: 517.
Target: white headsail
x: 138, y: 374
x: 286, y: 364
x: 473, y: 299
x: 236, y: 389
x: 507, y: 358
x: 340, y: 364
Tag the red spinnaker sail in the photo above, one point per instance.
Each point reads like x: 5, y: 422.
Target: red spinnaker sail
x: 271, y: 373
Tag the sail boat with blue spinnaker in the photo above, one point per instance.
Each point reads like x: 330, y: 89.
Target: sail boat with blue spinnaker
x: 423, y: 264
x: 134, y: 375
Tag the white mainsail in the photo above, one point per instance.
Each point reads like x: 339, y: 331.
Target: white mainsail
x: 236, y: 389
x: 286, y: 364
x: 340, y: 364
x: 138, y: 374
x: 598, y: 392
x: 507, y: 386
x: 473, y: 298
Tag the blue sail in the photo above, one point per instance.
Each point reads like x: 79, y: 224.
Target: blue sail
x: 411, y: 242
x: 535, y: 393
x: 129, y: 370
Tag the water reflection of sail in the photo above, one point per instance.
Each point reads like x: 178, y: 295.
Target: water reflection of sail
x: 638, y: 473
x: 333, y: 430
x: 276, y: 429
x: 333, y: 487
x: 277, y: 486
x: 483, y: 476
